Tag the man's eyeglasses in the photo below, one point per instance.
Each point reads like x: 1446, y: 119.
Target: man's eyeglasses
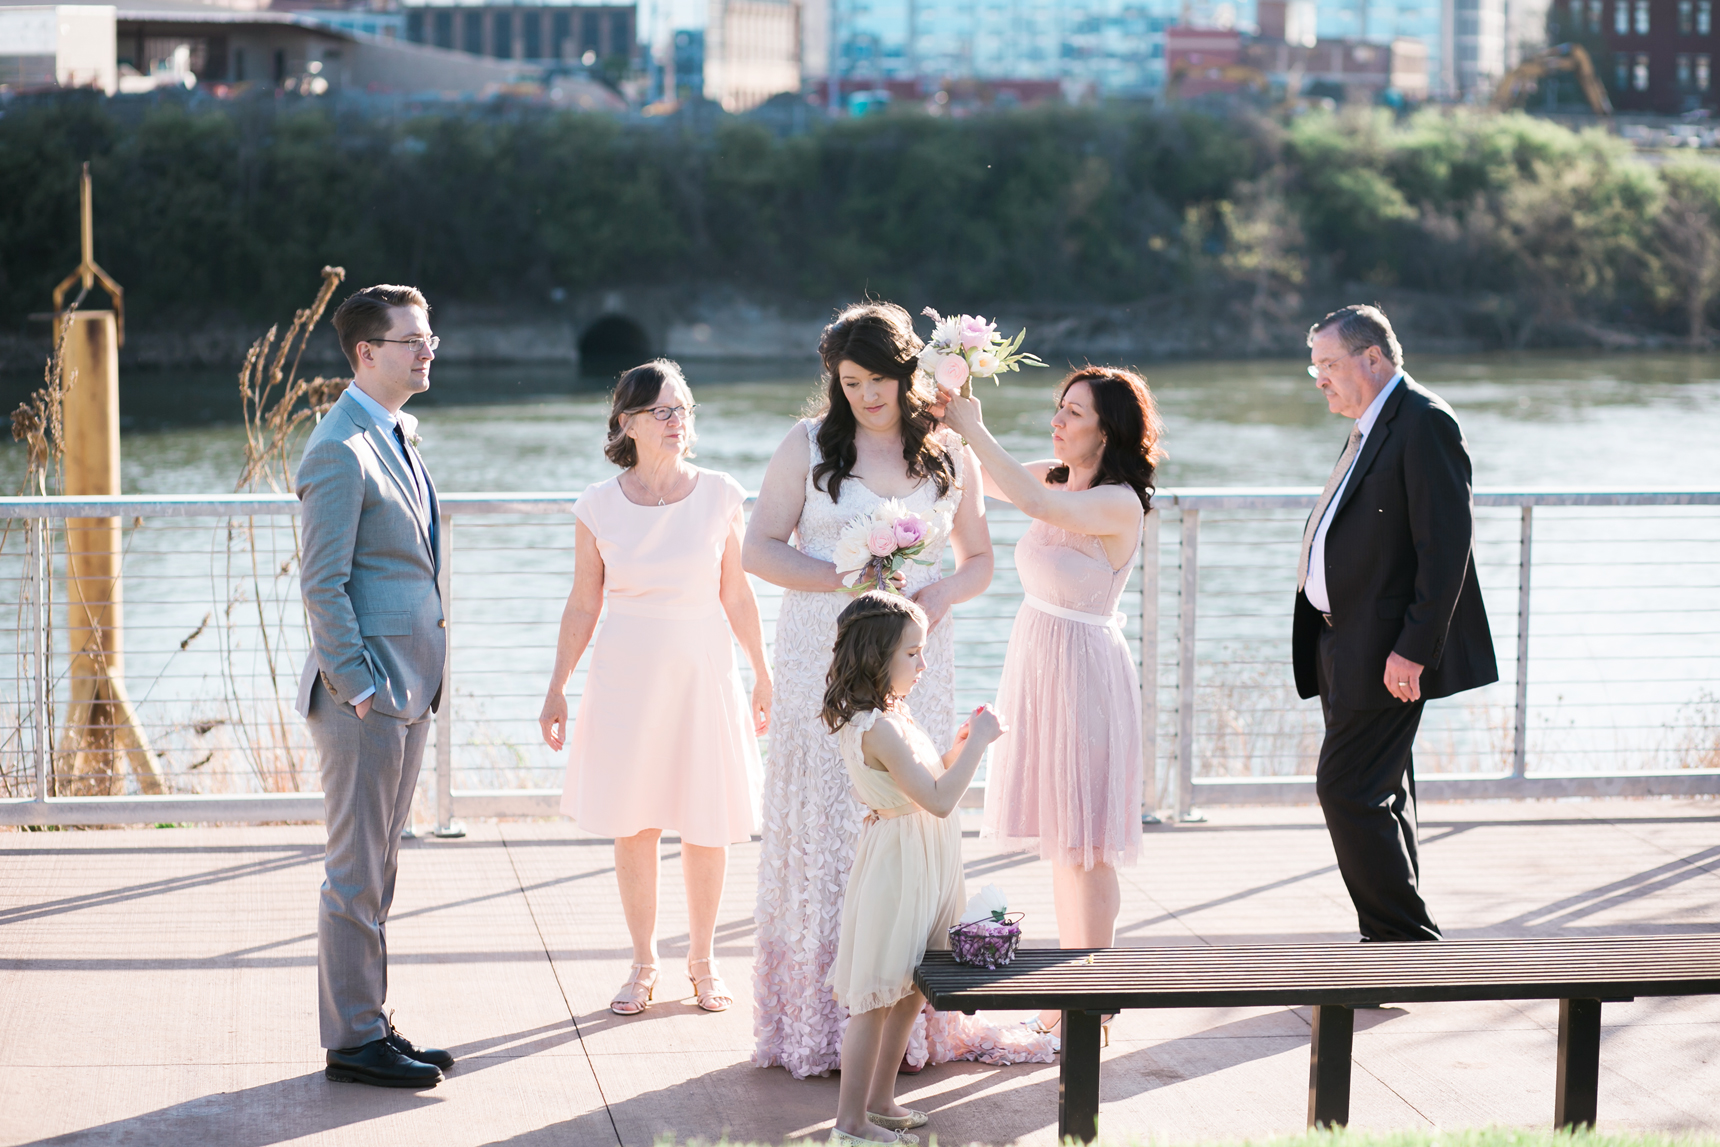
x: 664, y: 413
x: 1320, y: 368
x: 418, y: 343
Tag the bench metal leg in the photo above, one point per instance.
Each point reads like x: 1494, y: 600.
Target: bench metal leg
x: 1329, y: 1066
x: 1574, y: 1096
x: 1078, y: 1078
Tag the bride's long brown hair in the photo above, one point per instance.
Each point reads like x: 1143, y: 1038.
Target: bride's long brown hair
x: 878, y: 337
x: 867, y: 633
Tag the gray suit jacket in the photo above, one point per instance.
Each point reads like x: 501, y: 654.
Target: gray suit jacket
x: 369, y: 568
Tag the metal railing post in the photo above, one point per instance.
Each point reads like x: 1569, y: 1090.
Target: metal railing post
x: 1520, y: 729
x: 1150, y: 667
x: 446, y: 826
x: 39, y: 578
x: 1186, y: 605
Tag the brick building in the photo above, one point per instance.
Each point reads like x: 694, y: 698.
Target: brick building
x: 1654, y: 55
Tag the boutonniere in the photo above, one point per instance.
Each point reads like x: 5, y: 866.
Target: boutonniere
x: 416, y: 439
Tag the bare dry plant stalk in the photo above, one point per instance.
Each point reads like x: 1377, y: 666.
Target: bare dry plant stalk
x: 278, y: 406
x: 39, y: 423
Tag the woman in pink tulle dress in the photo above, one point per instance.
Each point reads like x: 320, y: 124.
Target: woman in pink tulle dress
x: 1066, y: 783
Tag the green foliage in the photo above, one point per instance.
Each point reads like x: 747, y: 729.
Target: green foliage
x: 228, y: 209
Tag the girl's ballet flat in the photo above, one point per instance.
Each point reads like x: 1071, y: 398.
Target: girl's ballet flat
x: 900, y: 1122
x: 842, y: 1139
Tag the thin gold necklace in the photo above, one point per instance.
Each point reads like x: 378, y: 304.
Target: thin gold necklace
x: 649, y: 492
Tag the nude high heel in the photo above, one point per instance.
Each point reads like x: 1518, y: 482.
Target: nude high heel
x: 635, y: 995
x: 713, y: 995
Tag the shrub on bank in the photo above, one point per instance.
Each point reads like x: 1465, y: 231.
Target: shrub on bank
x: 228, y: 208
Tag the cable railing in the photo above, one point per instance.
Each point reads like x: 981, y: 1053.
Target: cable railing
x: 165, y: 695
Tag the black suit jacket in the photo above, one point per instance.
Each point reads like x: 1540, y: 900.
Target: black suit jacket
x: 1400, y: 564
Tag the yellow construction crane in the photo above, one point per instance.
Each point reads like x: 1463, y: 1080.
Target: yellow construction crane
x: 1525, y: 77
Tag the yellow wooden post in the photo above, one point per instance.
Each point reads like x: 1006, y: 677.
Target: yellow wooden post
x: 101, y: 723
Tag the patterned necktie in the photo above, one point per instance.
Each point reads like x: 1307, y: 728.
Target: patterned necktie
x: 1326, y: 496
x: 412, y: 471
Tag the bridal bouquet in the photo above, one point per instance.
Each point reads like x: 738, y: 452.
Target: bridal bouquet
x: 874, y: 546
x: 966, y: 347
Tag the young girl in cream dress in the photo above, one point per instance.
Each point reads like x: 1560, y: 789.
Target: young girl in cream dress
x: 905, y: 889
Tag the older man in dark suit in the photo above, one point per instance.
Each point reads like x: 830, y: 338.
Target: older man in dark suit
x: 1388, y: 612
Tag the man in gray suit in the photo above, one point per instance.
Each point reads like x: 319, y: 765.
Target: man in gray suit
x: 374, y: 674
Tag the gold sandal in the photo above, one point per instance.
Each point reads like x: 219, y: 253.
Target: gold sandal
x: 716, y: 997
x: 635, y: 995
x: 906, y: 1122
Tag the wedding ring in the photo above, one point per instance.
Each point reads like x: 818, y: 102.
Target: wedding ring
x: 1403, y: 682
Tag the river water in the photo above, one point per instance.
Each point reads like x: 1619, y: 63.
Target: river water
x: 1623, y: 652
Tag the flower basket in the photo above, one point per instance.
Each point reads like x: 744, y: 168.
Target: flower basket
x: 986, y: 943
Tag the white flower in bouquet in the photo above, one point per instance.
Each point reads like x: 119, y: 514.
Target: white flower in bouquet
x: 946, y: 333
x: 983, y: 362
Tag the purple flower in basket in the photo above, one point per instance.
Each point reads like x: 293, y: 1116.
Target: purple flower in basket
x: 988, y: 943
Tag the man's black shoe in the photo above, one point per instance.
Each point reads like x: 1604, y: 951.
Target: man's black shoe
x: 380, y: 1065
x: 432, y: 1055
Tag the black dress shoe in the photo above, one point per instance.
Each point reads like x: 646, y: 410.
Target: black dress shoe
x: 432, y: 1055
x: 380, y: 1065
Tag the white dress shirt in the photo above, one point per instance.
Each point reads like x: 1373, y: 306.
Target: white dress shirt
x: 386, y: 420
x: 1315, y: 587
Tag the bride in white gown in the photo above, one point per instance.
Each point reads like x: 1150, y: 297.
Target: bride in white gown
x: 875, y: 440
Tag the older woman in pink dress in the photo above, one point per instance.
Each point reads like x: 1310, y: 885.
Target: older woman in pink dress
x: 665, y: 739
x: 1066, y: 783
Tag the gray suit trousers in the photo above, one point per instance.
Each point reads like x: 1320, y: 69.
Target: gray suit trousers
x: 369, y: 772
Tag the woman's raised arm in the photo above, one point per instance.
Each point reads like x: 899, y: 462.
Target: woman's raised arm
x: 1104, y: 511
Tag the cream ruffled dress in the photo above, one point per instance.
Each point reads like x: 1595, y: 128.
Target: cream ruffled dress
x: 905, y: 890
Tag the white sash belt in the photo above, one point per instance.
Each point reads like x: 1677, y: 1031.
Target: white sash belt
x: 1111, y: 619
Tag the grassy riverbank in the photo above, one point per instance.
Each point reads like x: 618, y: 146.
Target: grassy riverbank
x: 1515, y: 230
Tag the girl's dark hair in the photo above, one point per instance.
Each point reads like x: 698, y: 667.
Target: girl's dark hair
x: 867, y: 633
x: 878, y: 337
x: 1129, y: 420
x: 636, y: 390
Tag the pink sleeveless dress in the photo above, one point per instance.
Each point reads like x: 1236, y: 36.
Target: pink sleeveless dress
x: 1066, y: 780
x: 663, y: 738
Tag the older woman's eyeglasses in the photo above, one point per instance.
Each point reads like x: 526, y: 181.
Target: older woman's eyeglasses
x: 664, y: 413
x: 416, y: 342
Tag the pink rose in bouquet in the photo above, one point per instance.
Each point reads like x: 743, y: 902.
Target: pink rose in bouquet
x: 952, y: 371
x: 909, y: 532
x: 976, y: 332
x: 881, y: 539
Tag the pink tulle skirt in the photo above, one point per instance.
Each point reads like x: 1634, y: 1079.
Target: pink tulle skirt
x: 1065, y: 781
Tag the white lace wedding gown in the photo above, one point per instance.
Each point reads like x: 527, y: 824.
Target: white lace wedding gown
x: 811, y: 820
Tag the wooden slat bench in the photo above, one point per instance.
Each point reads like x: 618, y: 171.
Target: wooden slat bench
x: 1333, y: 979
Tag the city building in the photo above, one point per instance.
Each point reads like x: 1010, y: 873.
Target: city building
x: 1349, y: 71
x: 752, y: 51
x: 540, y: 33
x: 1653, y: 55
x: 67, y: 46
x: 1470, y: 44
x: 1109, y: 47
x: 156, y: 43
